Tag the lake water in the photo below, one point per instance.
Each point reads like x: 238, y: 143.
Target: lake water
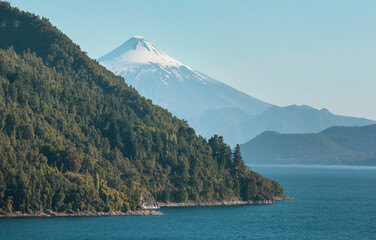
x: 331, y: 202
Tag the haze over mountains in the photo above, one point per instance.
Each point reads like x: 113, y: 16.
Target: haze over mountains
x: 210, y: 106
x: 335, y: 145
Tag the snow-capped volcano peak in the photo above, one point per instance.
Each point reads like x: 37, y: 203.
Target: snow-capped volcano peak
x: 135, y: 52
x: 140, y: 37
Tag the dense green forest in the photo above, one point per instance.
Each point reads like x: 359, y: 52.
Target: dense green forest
x: 74, y: 137
x: 335, y: 145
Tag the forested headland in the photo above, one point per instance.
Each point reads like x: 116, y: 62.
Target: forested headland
x: 74, y: 137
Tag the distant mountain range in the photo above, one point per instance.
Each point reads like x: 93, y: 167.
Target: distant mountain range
x: 335, y: 145
x: 210, y: 106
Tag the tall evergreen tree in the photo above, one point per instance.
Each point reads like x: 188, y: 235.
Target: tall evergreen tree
x: 238, y: 159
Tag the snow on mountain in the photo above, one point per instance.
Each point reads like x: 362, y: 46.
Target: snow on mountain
x: 210, y: 107
x: 134, y: 53
x: 171, y: 84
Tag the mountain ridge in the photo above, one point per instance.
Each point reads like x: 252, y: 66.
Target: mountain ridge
x: 335, y: 145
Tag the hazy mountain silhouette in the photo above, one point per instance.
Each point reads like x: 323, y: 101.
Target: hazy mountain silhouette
x: 335, y: 145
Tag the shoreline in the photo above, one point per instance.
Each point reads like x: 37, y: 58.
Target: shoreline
x: 145, y: 211
x: 141, y: 212
x: 222, y: 203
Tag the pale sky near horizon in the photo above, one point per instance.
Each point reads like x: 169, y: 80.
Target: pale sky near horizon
x: 319, y: 53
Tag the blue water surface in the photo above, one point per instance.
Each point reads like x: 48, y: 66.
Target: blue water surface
x: 331, y: 202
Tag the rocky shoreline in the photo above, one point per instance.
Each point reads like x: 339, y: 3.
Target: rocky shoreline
x: 214, y: 203
x: 222, y: 203
x: 283, y: 198
x: 141, y: 212
x: 148, y: 209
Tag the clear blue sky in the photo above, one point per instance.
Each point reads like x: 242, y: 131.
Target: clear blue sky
x: 320, y: 53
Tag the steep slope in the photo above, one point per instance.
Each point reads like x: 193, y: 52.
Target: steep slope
x: 209, y: 105
x: 336, y: 145
x: 75, y: 137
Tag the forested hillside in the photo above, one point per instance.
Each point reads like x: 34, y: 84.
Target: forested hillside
x: 335, y: 145
x: 74, y: 137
